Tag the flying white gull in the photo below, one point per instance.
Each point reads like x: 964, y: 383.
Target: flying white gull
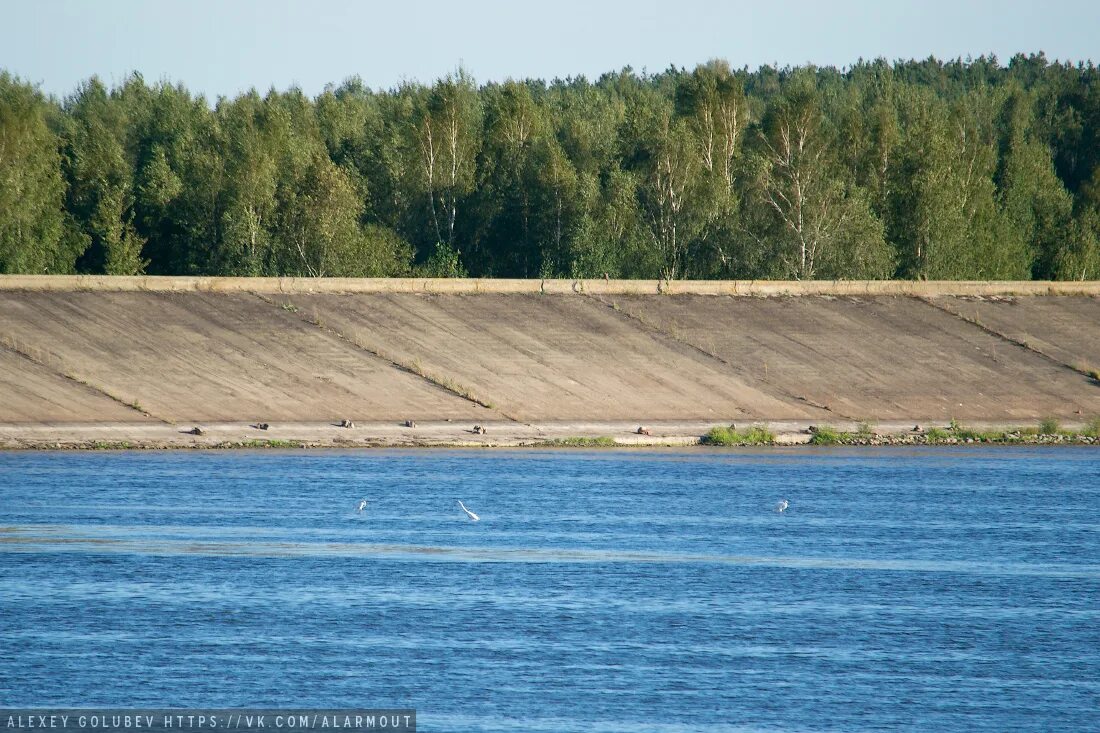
x: 473, y: 517
x: 362, y: 506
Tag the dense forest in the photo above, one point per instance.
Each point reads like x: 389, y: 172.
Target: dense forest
x: 938, y: 170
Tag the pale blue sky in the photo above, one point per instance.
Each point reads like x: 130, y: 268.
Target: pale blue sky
x: 228, y: 46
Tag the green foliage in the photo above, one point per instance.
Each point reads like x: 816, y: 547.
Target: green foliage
x: 36, y: 234
x: 444, y: 262
x: 107, y: 445
x: 100, y: 169
x: 936, y: 435
x: 943, y: 209
x: 962, y: 434
x: 1035, y: 203
x: 817, y: 222
x: 755, y: 435
x: 1049, y: 426
x: 914, y: 169
x: 268, y: 443
x: 827, y: 435
x: 602, y: 441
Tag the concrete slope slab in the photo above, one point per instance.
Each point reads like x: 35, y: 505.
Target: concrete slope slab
x: 876, y: 358
x: 204, y: 356
x: 551, y: 357
x: 1066, y: 328
x: 33, y: 393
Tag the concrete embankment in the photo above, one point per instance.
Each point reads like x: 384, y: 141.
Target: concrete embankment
x: 533, y: 359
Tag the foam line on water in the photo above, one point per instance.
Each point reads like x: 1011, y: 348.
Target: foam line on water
x: 17, y: 540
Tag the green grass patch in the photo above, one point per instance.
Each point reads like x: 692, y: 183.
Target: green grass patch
x: 828, y: 435
x: 110, y: 445
x: 756, y: 435
x: 963, y: 434
x: 957, y: 433
x: 985, y: 436
x: 602, y: 441
x: 1049, y: 426
x: 272, y: 443
x: 936, y: 435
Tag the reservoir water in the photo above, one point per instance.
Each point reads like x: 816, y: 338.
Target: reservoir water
x: 903, y: 589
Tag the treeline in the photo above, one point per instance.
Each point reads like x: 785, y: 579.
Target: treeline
x: 923, y: 169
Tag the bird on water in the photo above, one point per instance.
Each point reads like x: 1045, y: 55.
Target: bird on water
x: 782, y: 506
x: 362, y: 506
x: 473, y: 517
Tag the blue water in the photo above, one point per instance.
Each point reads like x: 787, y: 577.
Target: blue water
x: 930, y: 590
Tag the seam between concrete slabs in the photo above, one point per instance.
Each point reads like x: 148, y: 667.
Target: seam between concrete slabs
x: 9, y: 345
x: 773, y: 390
x: 1003, y: 336
x: 436, y: 382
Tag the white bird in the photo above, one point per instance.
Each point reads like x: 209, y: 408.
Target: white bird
x: 782, y: 506
x: 473, y: 517
x: 362, y: 506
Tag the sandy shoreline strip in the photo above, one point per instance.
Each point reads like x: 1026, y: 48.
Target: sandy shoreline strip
x: 497, y: 434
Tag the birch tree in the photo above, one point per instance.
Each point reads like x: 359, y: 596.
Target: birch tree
x: 712, y: 101
x: 673, y: 197
x: 319, y: 233
x: 447, y: 132
x: 814, y: 215
x: 249, y: 208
